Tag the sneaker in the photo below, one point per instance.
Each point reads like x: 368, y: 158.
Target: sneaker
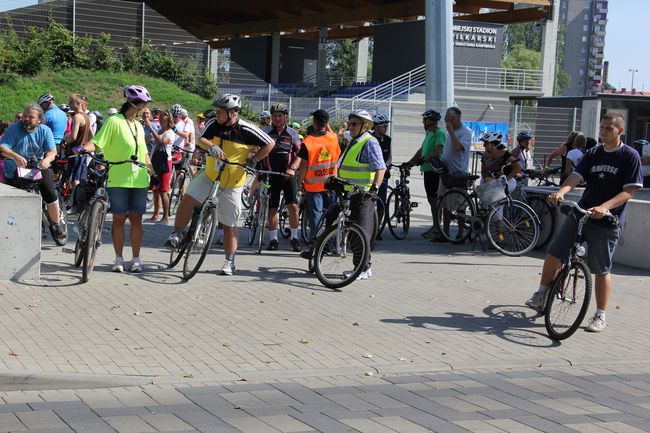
x: 273, y: 245
x: 536, y: 302
x: 295, y: 245
x: 118, y: 266
x: 173, y: 241
x: 429, y: 232
x: 59, y: 231
x: 228, y: 267
x: 136, y: 266
x: 597, y: 324
x: 365, y: 274
x: 307, y: 254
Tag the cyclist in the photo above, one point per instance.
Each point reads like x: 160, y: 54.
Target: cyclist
x: 80, y: 133
x: 189, y: 128
x: 613, y: 174
x: 181, y: 134
x: 362, y: 163
x: 575, y: 140
x: 282, y: 159
x: 296, y: 127
x: 380, y: 126
x: 319, y: 153
x: 428, y: 156
x: 55, y: 118
x: 265, y: 118
x: 30, y: 140
x: 200, y: 121
x: 161, y: 160
x: 522, y: 153
x: 225, y: 136
x: 497, y: 160
x: 122, y: 138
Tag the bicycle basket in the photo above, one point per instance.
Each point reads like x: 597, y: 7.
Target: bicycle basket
x: 490, y: 192
x: 455, y: 181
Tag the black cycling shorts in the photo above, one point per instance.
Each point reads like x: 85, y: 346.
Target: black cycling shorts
x: 45, y: 186
x: 431, y: 181
x: 282, y: 185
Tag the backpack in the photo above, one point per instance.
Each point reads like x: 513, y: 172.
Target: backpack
x: 99, y: 120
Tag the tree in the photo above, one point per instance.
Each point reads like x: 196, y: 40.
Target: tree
x: 342, y: 59
x: 527, y: 35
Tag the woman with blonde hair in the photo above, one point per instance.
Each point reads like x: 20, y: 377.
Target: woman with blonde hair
x: 80, y: 133
x: 161, y: 159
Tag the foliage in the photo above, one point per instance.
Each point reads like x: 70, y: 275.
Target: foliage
x: 527, y: 35
x: 342, y: 58
x: 521, y: 57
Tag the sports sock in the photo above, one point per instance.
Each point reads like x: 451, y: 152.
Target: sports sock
x: 230, y: 257
x: 294, y: 233
x: 273, y: 235
x: 542, y: 288
x: 600, y: 313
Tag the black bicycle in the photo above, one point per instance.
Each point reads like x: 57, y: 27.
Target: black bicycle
x: 399, y: 205
x: 92, y: 217
x: 567, y: 299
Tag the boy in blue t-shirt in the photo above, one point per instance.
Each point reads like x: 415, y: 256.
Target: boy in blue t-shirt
x: 612, y: 172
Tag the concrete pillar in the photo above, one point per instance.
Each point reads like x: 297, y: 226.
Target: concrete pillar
x: 439, y: 53
x: 361, y: 74
x: 275, y: 57
x: 549, y: 50
x: 322, y: 57
x: 214, y: 61
x: 590, y: 117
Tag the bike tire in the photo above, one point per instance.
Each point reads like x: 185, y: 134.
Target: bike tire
x: 335, y: 245
x: 252, y: 226
x: 381, y: 223
x: 461, y: 212
x: 546, y: 215
x: 94, y: 229
x: 199, y: 242
x: 304, y: 222
x: 176, y: 193
x: 512, y: 228
x: 557, y: 302
x: 62, y: 220
x: 261, y: 222
x: 400, y: 214
x: 175, y: 255
x: 283, y: 220
x: 245, y: 199
x: 80, y: 245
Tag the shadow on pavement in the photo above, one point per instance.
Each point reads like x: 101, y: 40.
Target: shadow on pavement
x: 513, y: 323
x: 286, y: 276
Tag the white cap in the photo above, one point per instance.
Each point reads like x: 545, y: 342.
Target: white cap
x: 112, y: 111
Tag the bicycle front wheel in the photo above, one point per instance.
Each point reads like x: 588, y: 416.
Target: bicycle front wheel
x: 546, y: 215
x: 340, y: 255
x: 261, y: 222
x: 399, y: 218
x: 176, y: 193
x: 512, y: 228
x: 454, y: 215
x: 80, y: 246
x: 176, y: 254
x: 94, y: 227
x: 568, y: 300
x: 199, y: 242
x: 283, y: 220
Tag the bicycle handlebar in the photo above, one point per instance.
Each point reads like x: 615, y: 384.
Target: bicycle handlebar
x: 356, y: 188
x: 253, y: 170
x: 565, y: 204
x: 104, y: 162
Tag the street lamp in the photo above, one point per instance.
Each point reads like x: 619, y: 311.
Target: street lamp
x: 633, y: 71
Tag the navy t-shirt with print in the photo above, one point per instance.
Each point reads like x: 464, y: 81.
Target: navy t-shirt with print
x: 607, y: 173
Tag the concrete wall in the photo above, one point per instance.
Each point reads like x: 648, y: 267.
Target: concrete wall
x: 20, y: 234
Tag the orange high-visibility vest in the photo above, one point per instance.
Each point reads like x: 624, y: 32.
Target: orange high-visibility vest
x: 324, y: 152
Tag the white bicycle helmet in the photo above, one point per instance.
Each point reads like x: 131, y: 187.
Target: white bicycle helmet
x: 227, y: 101
x: 362, y: 115
x: 493, y: 138
x: 265, y: 114
x: 176, y: 110
x: 379, y: 119
x: 47, y: 97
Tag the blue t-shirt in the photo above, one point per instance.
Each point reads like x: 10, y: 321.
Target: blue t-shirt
x: 29, y: 146
x: 57, y: 121
x: 606, y: 173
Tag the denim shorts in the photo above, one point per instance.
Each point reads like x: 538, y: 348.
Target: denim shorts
x: 128, y: 200
x: 601, y: 243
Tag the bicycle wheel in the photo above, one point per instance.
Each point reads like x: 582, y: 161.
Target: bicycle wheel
x: 568, y: 300
x: 245, y: 199
x: 304, y: 222
x: 340, y: 255
x: 94, y: 229
x: 261, y: 222
x: 175, y: 255
x: 62, y: 220
x: 199, y: 242
x: 381, y: 210
x: 512, y: 228
x: 251, y: 224
x: 283, y: 220
x: 80, y: 245
x: 546, y: 215
x: 176, y: 193
x: 399, y: 218
x: 454, y: 215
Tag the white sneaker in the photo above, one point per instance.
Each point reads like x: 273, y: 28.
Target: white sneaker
x: 596, y: 324
x: 118, y: 266
x: 364, y: 275
x: 228, y: 268
x: 136, y: 266
x: 536, y: 302
x: 173, y: 241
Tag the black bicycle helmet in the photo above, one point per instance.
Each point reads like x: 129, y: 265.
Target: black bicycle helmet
x: 432, y: 115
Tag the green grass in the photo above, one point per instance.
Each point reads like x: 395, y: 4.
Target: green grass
x: 103, y: 89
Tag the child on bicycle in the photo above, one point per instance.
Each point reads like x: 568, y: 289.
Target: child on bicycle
x: 612, y: 172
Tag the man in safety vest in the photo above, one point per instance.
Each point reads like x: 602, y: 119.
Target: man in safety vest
x: 362, y: 163
x: 319, y: 154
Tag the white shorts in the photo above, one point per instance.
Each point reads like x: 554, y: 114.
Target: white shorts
x: 228, y: 199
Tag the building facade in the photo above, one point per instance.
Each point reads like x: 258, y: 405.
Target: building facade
x: 584, y: 22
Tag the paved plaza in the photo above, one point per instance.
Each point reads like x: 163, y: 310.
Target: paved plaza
x: 438, y: 340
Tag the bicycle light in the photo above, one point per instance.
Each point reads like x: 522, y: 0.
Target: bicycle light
x: 101, y: 192
x: 580, y: 251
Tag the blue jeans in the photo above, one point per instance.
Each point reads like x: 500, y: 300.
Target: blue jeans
x: 316, y: 202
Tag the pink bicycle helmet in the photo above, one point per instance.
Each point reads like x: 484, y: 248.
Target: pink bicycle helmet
x: 134, y: 92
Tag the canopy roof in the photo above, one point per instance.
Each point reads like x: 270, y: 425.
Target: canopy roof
x: 216, y: 22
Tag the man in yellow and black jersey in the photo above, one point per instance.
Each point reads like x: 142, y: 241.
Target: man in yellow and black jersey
x: 225, y: 136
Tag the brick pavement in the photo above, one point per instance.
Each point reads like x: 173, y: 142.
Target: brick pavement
x: 428, y: 308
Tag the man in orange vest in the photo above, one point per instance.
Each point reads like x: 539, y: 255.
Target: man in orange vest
x: 319, y: 153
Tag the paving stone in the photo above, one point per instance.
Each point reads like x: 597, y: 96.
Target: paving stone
x: 40, y: 419
x: 129, y: 424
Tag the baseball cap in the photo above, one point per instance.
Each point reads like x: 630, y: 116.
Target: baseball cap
x: 321, y: 115
x: 112, y: 111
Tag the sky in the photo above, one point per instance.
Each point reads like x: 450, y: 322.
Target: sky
x: 625, y: 41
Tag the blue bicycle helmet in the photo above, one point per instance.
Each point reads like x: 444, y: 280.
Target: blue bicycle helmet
x: 524, y: 135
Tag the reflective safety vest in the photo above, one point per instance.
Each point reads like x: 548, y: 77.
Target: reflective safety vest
x: 324, y: 152
x: 354, y: 171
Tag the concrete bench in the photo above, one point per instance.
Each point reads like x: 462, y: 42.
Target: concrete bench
x: 20, y: 234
